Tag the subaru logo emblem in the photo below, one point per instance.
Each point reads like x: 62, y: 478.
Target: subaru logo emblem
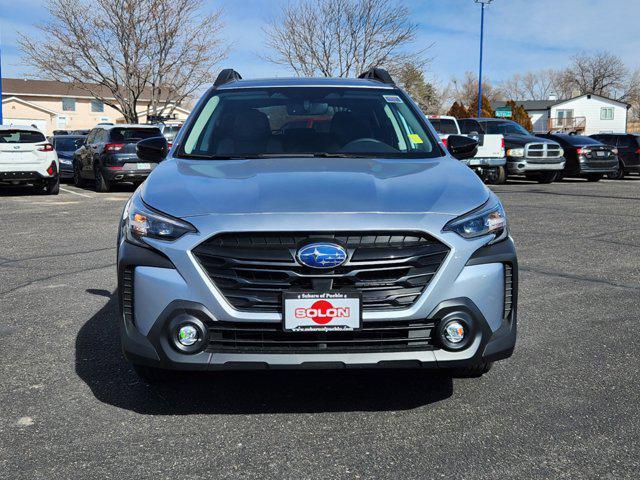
x: 16, y: 147
x: 322, y: 255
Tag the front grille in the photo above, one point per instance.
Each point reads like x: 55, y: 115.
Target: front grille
x: 389, y: 269
x: 230, y: 337
x: 543, y: 150
x: 508, y: 290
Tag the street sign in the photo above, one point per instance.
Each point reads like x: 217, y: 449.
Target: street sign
x: 503, y: 112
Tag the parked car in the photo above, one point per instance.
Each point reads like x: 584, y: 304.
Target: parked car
x: 170, y: 131
x: 26, y: 158
x: 108, y: 156
x: 365, y: 246
x: 536, y: 158
x: 628, y: 145
x: 65, y: 146
x: 585, y: 157
x: 490, y: 160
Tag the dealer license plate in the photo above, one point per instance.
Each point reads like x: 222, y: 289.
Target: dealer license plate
x: 322, y: 311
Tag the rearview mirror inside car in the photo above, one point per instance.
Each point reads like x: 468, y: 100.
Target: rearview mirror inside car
x: 152, y: 150
x: 462, y: 147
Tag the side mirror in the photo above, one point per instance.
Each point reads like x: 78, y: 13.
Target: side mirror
x: 152, y: 150
x: 462, y: 147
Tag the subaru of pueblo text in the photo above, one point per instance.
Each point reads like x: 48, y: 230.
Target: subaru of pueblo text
x: 352, y: 238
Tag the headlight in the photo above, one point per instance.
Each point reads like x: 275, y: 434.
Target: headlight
x: 64, y: 161
x: 141, y: 221
x: 515, y: 152
x: 486, y: 220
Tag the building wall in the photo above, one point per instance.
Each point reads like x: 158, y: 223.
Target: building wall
x: 80, y: 118
x: 26, y: 115
x: 591, y: 109
x: 540, y: 120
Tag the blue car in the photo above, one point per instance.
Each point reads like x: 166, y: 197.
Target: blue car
x: 313, y: 223
x: 65, y: 146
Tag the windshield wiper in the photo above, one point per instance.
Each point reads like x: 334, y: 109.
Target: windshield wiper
x: 339, y: 155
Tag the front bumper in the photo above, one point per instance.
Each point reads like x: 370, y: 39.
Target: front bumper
x: 485, y: 162
x: 519, y: 166
x: 156, y: 285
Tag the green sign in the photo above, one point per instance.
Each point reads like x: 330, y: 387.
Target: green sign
x: 503, y: 112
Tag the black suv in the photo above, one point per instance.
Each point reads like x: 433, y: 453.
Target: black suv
x: 109, y: 156
x: 628, y: 145
x: 585, y: 157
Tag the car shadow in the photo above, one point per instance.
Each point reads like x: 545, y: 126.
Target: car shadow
x: 20, y: 191
x: 100, y: 364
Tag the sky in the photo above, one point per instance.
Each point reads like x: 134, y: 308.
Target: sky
x: 520, y: 35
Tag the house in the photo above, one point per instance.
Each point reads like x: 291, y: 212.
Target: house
x: 585, y: 114
x: 52, y: 105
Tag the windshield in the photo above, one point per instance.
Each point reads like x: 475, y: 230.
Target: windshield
x: 21, y: 136
x: 505, y: 128
x: 307, y: 121
x: 579, y: 140
x: 133, y: 134
x: 69, y: 144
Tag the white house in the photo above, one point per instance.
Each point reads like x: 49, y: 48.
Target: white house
x: 585, y: 114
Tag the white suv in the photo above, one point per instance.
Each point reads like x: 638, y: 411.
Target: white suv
x: 27, y: 158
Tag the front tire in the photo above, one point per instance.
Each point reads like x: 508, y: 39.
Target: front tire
x: 78, y: 181
x: 495, y: 176
x: 102, y: 184
x: 543, y: 177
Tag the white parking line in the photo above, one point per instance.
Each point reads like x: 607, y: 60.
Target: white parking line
x: 75, y: 193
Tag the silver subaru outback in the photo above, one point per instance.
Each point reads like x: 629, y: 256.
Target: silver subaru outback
x: 313, y: 223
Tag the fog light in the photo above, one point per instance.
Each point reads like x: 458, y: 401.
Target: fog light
x: 187, y: 335
x: 454, y: 332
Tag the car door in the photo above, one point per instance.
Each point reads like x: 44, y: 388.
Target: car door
x: 82, y: 153
x: 628, y: 150
x: 95, y: 150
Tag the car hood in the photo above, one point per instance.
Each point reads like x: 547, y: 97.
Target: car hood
x: 522, y: 140
x: 184, y: 188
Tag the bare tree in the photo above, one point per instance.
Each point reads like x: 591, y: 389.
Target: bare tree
x: 538, y: 85
x: 342, y: 38
x: 465, y: 90
x: 120, y: 51
x: 601, y: 73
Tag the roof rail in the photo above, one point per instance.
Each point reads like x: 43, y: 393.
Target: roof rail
x: 227, y: 75
x: 378, y: 74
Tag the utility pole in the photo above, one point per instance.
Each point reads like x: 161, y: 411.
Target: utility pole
x: 482, y: 5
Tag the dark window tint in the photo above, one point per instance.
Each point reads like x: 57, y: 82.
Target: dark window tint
x: 67, y: 144
x: 133, y: 134
x: 21, y: 136
x: 504, y: 128
x: 444, y: 126
x: 308, y: 121
x: 627, y: 141
x: 470, y: 126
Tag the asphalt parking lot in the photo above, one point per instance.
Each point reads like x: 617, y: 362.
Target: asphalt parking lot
x: 565, y: 406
